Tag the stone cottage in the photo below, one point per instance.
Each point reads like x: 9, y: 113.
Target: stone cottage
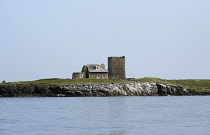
x: 92, y: 71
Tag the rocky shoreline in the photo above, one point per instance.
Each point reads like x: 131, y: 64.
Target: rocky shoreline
x: 95, y: 90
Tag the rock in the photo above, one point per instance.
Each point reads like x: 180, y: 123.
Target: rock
x: 94, y: 89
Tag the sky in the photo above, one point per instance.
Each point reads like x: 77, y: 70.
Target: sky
x: 168, y: 39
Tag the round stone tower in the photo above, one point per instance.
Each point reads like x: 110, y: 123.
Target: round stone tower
x: 116, y: 67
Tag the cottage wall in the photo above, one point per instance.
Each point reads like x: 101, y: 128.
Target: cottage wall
x: 98, y: 75
x: 78, y: 75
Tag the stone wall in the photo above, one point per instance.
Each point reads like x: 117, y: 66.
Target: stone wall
x: 78, y: 75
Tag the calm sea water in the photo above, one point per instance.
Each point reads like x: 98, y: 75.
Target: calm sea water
x: 173, y: 115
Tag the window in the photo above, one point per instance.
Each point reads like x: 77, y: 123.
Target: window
x: 98, y: 75
x: 95, y: 67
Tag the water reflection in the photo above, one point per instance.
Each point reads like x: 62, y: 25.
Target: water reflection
x: 117, y: 115
x: 118, y: 132
x: 117, y: 106
x: 114, y: 132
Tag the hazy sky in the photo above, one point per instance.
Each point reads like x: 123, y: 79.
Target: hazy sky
x: 168, y: 39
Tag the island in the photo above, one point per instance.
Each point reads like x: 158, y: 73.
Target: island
x: 56, y: 87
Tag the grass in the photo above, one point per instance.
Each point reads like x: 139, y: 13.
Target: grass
x: 157, y: 80
x: 68, y: 81
x: 194, y: 84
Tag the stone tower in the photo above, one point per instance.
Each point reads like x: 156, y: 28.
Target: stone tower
x: 116, y: 67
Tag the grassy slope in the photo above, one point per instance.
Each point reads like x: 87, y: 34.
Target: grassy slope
x: 195, y: 84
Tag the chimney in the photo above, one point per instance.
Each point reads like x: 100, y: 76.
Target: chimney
x: 103, y: 66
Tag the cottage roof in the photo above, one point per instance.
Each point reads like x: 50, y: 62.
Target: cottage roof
x: 95, y: 68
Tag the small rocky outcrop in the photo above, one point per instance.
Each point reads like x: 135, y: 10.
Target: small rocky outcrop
x: 95, y: 89
x: 175, y: 90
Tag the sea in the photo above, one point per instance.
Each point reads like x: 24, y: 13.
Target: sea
x: 134, y: 115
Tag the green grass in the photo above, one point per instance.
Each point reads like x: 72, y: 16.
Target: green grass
x: 156, y: 80
x: 68, y: 81
x: 194, y: 84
